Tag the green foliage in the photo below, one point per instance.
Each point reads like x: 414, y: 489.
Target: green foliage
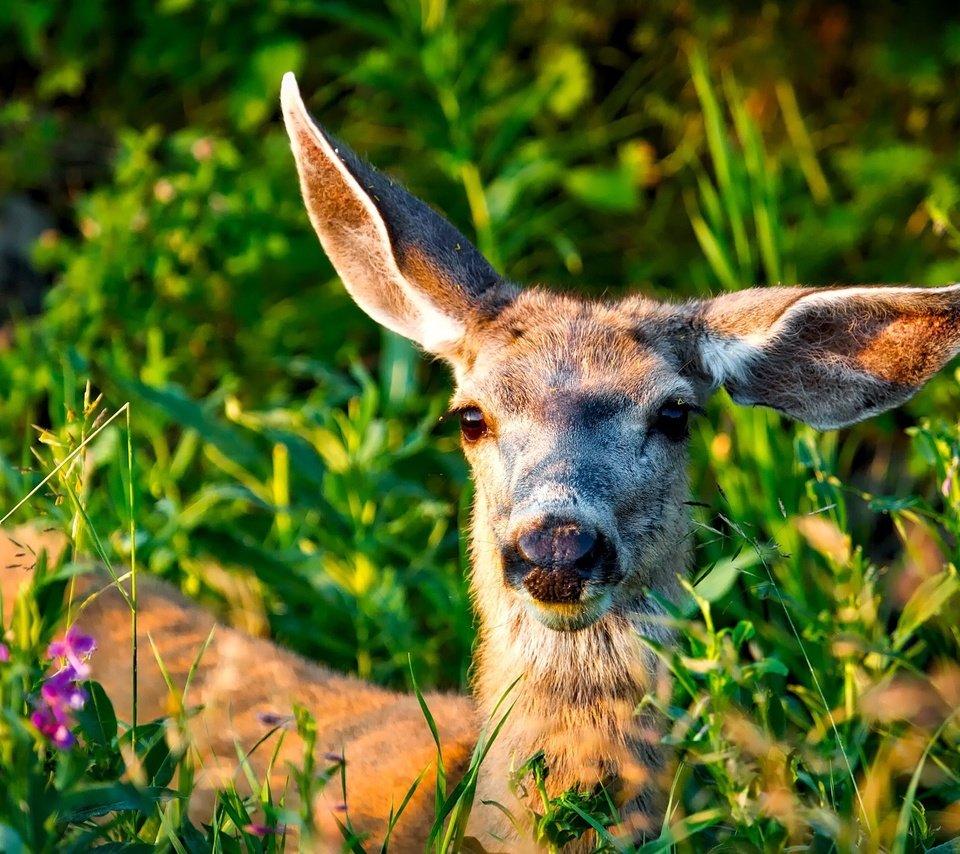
x: 805, y: 721
x: 568, y: 816
x: 690, y: 149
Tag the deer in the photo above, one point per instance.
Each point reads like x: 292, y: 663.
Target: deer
x: 573, y: 413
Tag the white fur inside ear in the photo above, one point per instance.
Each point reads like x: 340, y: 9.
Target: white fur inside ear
x: 836, y: 295
x: 367, y: 265
x: 437, y: 333
x: 728, y: 358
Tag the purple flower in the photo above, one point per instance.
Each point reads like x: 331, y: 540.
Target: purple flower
x: 75, y: 648
x: 61, y: 693
x: 273, y: 719
x: 262, y: 830
x: 52, y: 722
x: 4, y: 653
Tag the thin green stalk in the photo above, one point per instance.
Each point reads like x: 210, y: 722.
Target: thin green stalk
x: 730, y: 189
x: 479, y: 210
x: 903, y: 820
x: 62, y: 464
x: 806, y: 153
x: 133, y: 580
x: 816, y: 681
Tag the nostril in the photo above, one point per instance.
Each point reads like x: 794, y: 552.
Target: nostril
x: 555, y: 546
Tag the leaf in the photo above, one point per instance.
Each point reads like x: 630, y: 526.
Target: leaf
x: 159, y: 762
x: 892, y: 503
x: 565, y: 74
x: 724, y: 574
x: 771, y: 665
x: 744, y: 631
x: 602, y: 188
x: 927, y: 601
x: 951, y: 847
x: 10, y: 841
x: 84, y: 804
x: 683, y: 829
x: 97, y: 718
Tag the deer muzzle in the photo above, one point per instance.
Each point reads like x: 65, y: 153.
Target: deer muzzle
x: 555, y: 558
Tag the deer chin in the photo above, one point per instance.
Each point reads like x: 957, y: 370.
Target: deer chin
x: 569, y: 616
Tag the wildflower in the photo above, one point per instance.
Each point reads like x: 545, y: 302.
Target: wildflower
x: 262, y: 830
x: 272, y: 719
x: 202, y: 149
x: 61, y: 693
x: 75, y: 648
x: 4, y: 653
x: 52, y: 722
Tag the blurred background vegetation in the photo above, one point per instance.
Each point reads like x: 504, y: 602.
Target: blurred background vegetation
x: 290, y: 467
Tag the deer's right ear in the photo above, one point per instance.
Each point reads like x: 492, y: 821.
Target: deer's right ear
x: 403, y: 264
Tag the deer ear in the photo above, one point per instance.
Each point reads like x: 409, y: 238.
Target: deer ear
x: 828, y: 356
x: 403, y: 264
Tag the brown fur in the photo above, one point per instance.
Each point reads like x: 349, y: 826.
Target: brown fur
x: 382, y: 735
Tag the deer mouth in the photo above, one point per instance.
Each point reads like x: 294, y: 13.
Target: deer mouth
x: 568, y: 616
x: 557, y: 562
x: 561, y: 586
x: 563, y: 591
x: 559, y: 598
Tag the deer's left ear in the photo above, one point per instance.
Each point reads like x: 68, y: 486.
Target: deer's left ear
x: 828, y: 356
x: 402, y: 263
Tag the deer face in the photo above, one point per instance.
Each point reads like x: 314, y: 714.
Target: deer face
x: 573, y: 412
x: 575, y: 425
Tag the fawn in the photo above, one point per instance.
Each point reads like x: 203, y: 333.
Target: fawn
x: 573, y: 414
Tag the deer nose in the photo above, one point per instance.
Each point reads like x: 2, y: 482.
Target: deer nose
x: 555, y: 558
x: 556, y: 546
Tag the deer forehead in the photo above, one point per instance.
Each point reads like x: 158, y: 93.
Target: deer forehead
x: 549, y: 357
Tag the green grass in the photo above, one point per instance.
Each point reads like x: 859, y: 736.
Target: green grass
x: 272, y: 430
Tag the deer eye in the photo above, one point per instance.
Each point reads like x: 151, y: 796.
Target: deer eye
x: 672, y: 420
x: 473, y: 426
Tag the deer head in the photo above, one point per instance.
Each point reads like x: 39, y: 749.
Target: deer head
x: 573, y: 411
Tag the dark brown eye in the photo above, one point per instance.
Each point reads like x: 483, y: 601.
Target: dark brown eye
x: 673, y: 419
x: 473, y: 425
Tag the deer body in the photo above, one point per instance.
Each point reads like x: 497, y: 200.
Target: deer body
x: 573, y: 414
x: 244, y: 687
